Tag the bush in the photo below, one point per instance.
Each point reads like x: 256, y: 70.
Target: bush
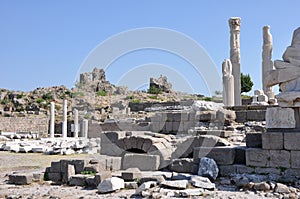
x: 130, y: 97
x: 153, y: 97
x: 101, y: 93
x: 19, y: 96
x: 39, y: 100
x: 154, y: 90
x: 207, y: 99
x: 4, y: 101
x: 246, y: 83
x: 48, y: 96
x: 77, y: 94
x: 135, y: 101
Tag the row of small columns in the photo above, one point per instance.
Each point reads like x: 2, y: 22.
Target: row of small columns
x: 65, y: 121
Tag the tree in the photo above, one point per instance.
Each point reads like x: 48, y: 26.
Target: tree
x: 246, y: 83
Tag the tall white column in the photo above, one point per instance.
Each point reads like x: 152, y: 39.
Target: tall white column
x: 52, y: 119
x: 85, y: 128
x: 75, y: 113
x: 234, y: 24
x: 228, y: 83
x: 65, y: 119
x: 267, y: 63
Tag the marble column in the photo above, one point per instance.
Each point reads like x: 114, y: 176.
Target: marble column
x: 267, y: 63
x: 52, y: 119
x: 65, y: 119
x: 75, y: 112
x: 85, y: 128
x: 228, y: 83
x: 234, y: 24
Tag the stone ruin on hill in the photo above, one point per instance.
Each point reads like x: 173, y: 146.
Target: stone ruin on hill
x: 161, y: 84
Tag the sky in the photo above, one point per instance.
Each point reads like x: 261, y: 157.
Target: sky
x: 48, y: 43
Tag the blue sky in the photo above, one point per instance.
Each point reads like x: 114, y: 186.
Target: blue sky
x: 45, y: 43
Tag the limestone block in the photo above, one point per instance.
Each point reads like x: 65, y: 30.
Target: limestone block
x: 157, y: 126
x: 131, y: 185
x: 143, y: 162
x: 254, y: 140
x: 113, y: 163
x: 222, y: 155
x: 55, y: 177
x: 261, y: 170
x: 78, y: 164
x: 240, y: 155
x: 111, y: 184
x: 241, y: 116
x: 55, y: 167
x: 243, y: 169
x: 258, y: 92
x: 182, y: 165
x: 295, y: 159
x: 257, y: 157
x: 256, y: 115
x: 202, y: 182
x: 111, y: 149
x: 277, y: 117
x: 262, y: 98
x: 131, y: 174
x: 78, y: 180
x: 279, y: 158
x: 289, y: 99
x: 169, y: 126
x: 175, y: 184
x: 20, y: 178
x: 226, y: 170
x: 291, y: 141
x: 101, y: 176
x: 272, y: 140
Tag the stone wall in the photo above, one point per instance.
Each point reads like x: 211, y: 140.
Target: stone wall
x: 24, y: 124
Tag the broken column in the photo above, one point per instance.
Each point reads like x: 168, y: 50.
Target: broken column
x: 65, y: 119
x: 234, y: 24
x: 52, y: 119
x: 75, y: 123
x: 85, y: 128
x: 228, y: 83
x: 267, y: 63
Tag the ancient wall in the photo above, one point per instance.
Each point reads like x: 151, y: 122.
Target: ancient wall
x: 24, y: 124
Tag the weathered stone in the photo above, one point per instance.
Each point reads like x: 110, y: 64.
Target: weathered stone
x: 222, y: 155
x: 272, y: 140
x: 55, y: 177
x: 183, y: 165
x: 20, y: 178
x: 291, y: 141
x: 187, y: 193
x: 131, y: 185
x: 265, y: 171
x: 281, y: 188
x: 111, y: 184
x: 175, y: 184
x: 131, y: 174
x: 161, y: 84
x: 295, y: 159
x: 208, y: 168
x: 240, y: 155
x: 156, y: 178
x: 279, y: 158
x: 226, y: 170
x: 202, y: 182
x: 256, y: 115
x: 113, y: 163
x: 254, y: 140
x: 78, y: 180
x: 145, y: 186
x: 141, y: 161
x: 257, y: 157
x: 70, y: 172
x: 100, y: 177
x: 277, y: 117
x: 262, y: 186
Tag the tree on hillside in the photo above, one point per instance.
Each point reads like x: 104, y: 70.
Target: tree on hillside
x: 246, y: 83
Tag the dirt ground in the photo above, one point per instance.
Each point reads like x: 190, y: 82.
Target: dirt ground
x: 18, y: 162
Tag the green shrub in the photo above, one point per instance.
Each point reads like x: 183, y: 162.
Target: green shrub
x: 19, y: 96
x: 48, y: 96
x: 154, y: 90
x: 153, y: 97
x: 77, y: 94
x: 246, y: 83
x: 101, y: 93
x: 135, y: 101
x: 88, y: 173
x: 130, y: 97
x: 39, y: 100
x: 207, y: 99
x: 4, y: 101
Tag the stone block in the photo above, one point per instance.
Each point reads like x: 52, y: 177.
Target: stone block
x: 131, y: 185
x: 291, y: 141
x: 55, y: 167
x: 113, y: 163
x: 78, y: 180
x: 253, y: 140
x: 277, y: 117
x: 222, y: 155
x: 295, y: 159
x: 240, y: 155
x: 267, y: 171
x: 55, y: 177
x: 99, y: 177
x: 257, y: 157
x: 157, y: 126
x: 143, y: 162
x: 169, y: 126
x: 256, y: 115
x: 272, y: 140
x: 280, y: 158
x: 78, y: 164
x: 111, y: 149
x: 241, y: 116
x: 20, y: 178
x: 226, y: 170
x: 131, y: 174
x: 241, y: 169
x: 182, y: 165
